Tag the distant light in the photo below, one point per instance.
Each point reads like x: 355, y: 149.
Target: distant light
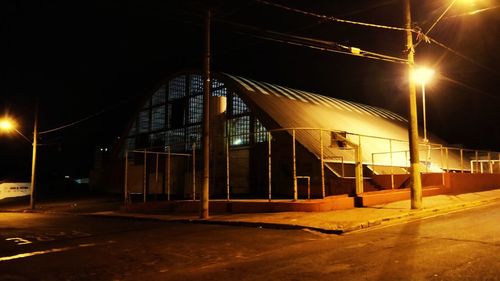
x: 237, y: 141
x: 66, y: 177
x: 102, y: 149
x: 106, y: 149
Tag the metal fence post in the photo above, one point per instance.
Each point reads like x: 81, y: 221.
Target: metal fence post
x: 392, y: 164
x: 144, y: 178
x: 461, y: 160
x: 295, y: 193
x: 125, y: 181
x: 269, y: 136
x: 228, y: 179
x: 477, y: 159
x: 194, y: 171
x: 168, y: 173
x: 323, y: 193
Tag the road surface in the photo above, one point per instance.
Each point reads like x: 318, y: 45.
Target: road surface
x: 458, y: 246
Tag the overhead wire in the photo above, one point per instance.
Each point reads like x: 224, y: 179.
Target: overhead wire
x: 335, y: 19
x: 312, y: 43
x: 420, y: 34
x: 109, y: 108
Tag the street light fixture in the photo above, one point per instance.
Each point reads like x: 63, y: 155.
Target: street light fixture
x: 423, y: 75
x: 8, y: 125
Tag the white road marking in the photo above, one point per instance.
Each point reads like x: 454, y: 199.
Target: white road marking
x: 36, y: 253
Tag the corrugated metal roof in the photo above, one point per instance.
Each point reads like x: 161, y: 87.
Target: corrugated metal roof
x: 312, y: 98
x: 373, y: 126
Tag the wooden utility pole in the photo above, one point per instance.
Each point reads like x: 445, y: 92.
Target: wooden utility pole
x: 204, y: 198
x: 416, y: 183
x: 33, y: 159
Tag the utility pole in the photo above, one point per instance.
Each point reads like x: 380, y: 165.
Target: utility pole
x: 33, y: 159
x: 415, y: 180
x: 204, y: 198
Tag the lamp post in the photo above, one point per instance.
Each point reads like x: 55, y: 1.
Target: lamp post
x: 423, y: 75
x: 8, y: 125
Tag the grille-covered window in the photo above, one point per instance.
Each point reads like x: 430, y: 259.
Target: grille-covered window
x: 216, y: 83
x: 175, y: 139
x: 260, y: 132
x: 159, y: 96
x: 133, y: 129
x: 158, y: 118
x: 193, y: 136
x: 195, y: 84
x: 239, y: 131
x: 195, y: 109
x: 238, y: 106
x: 220, y: 92
x: 144, y: 121
x: 177, y: 88
x: 157, y: 140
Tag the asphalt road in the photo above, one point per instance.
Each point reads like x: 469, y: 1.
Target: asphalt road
x: 457, y: 246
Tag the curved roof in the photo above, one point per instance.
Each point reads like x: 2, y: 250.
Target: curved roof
x: 292, y: 108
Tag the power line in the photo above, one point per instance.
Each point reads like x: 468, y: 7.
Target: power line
x: 109, y: 108
x: 312, y: 43
x: 420, y: 35
x: 490, y: 95
x: 463, y: 56
x: 334, y: 19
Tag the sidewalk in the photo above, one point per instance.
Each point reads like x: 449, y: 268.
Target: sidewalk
x: 338, y: 222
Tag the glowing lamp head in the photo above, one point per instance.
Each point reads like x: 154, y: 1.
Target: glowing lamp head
x: 6, y: 125
x: 423, y: 75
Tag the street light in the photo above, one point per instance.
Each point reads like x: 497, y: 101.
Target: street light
x: 7, y: 125
x: 423, y: 75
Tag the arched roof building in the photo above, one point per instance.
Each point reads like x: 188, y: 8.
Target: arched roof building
x: 246, y: 112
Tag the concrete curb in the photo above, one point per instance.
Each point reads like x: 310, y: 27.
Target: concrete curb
x: 420, y: 214
x: 407, y: 216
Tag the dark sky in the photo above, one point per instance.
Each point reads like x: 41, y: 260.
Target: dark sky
x: 78, y: 58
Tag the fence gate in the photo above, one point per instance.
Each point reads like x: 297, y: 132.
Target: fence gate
x: 153, y: 175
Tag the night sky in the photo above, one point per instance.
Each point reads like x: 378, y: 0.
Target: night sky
x: 96, y: 59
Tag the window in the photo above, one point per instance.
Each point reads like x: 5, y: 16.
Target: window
x: 133, y: 129
x: 195, y: 84
x: 130, y: 143
x: 159, y: 96
x: 216, y: 83
x: 220, y: 92
x: 157, y: 140
x: 239, y: 131
x: 175, y: 139
x: 177, y: 115
x: 260, y: 132
x: 238, y: 106
x: 144, y: 121
x: 158, y: 118
x: 177, y: 88
x: 195, y: 109
x: 193, y: 136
